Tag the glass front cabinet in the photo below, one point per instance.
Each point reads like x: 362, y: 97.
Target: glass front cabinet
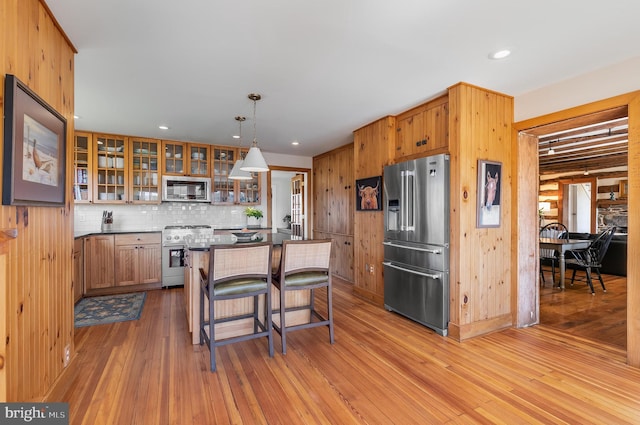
x: 82, y: 161
x: 145, y: 166
x: 110, y: 177
x: 186, y: 159
x: 226, y: 191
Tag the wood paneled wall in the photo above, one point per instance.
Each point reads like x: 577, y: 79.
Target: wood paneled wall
x: 374, y: 147
x: 480, y: 124
x: 36, y: 286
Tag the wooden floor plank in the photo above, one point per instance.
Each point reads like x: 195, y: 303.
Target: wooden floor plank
x: 382, y: 369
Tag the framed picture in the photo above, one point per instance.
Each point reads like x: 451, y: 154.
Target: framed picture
x: 369, y: 194
x: 624, y: 189
x: 489, y: 194
x: 34, y: 148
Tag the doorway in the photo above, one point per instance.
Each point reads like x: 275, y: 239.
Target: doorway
x: 573, y: 195
x: 288, y: 204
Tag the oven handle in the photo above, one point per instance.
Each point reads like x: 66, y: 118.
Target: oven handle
x: 429, y: 275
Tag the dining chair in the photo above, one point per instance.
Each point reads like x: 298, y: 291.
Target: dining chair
x: 236, y: 271
x: 305, y: 265
x: 549, y: 257
x: 590, y: 259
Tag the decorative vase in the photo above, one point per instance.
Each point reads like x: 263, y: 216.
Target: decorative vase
x: 253, y: 221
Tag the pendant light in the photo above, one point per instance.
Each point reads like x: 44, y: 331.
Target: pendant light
x: 254, y: 161
x: 236, y: 173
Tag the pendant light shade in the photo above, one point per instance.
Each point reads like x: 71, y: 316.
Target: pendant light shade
x: 236, y: 173
x: 254, y: 161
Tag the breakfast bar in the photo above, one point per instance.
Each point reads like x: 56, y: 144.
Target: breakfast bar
x: 198, y: 257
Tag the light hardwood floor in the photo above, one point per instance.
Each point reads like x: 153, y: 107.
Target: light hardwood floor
x: 382, y: 369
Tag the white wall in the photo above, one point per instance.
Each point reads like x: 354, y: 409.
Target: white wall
x: 604, y: 83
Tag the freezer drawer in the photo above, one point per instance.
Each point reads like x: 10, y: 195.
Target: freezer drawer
x: 420, y: 256
x: 420, y: 295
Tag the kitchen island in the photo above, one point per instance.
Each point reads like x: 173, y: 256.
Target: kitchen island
x: 198, y: 257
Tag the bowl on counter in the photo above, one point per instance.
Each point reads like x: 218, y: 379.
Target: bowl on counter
x: 244, y: 236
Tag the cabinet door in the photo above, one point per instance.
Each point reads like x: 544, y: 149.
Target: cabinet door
x: 150, y: 263
x: 410, y: 138
x: 436, y: 127
x: 343, y: 256
x: 99, y: 262
x: 145, y: 165
x: 321, y: 169
x: 174, y: 157
x: 110, y: 183
x: 82, y: 161
x: 224, y: 190
x: 78, y: 269
x: 198, y: 157
x: 126, y: 265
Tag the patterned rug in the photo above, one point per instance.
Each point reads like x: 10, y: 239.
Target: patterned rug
x: 109, y: 309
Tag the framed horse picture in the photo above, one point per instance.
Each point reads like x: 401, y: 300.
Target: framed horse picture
x: 489, y: 194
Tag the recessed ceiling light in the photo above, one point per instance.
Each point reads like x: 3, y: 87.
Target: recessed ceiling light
x: 296, y: 143
x: 235, y: 136
x: 163, y: 127
x: 500, y: 54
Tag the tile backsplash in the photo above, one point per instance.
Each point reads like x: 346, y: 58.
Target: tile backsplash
x: 87, y: 218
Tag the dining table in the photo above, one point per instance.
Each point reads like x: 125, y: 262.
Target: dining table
x: 562, y: 246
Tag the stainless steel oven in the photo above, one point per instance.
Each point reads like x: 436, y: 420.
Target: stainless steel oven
x: 174, y: 250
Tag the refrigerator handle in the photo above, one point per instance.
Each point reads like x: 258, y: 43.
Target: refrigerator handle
x: 410, y: 196
x: 403, y: 200
x: 429, y: 275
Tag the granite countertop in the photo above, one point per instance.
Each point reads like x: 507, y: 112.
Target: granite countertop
x: 275, y: 238
x: 112, y: 232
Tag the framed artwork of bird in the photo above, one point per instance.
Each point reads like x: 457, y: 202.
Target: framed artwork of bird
x: 34, y: 148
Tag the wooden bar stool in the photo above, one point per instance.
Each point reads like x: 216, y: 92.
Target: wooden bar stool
x: 236, y: 271
x: 306, y: 265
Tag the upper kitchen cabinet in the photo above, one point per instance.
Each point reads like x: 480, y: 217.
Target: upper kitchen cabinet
x: 82, y: 162
x: 110, y: 174
x: 198, y: 160
x: 227, y: 191
x: 186, y: 159
x: 145, y: 164
x: 423, y: 130
x: 174, y: 157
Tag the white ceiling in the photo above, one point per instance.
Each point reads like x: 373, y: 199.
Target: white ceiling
x: 323, y: 68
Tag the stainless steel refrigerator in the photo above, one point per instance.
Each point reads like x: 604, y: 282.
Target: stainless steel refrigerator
x: 416, y: 240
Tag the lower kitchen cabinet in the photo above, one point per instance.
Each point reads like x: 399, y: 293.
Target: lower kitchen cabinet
x: 99, y: 262
x: 78, y: 269
x: 341, y: 254
x: 138, y: 258
x: 123, y: 262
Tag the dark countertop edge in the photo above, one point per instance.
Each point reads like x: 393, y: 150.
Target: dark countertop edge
x: 77, y: 235
x: 275, y: 238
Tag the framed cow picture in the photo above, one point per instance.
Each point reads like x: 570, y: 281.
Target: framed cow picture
x: 369, y: 194
x: 489, y: 194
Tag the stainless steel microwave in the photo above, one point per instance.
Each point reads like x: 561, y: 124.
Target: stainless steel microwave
x: 186, y: 189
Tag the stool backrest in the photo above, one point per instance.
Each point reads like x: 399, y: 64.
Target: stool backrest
x: 306, y: 255
x: 239, y: 260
